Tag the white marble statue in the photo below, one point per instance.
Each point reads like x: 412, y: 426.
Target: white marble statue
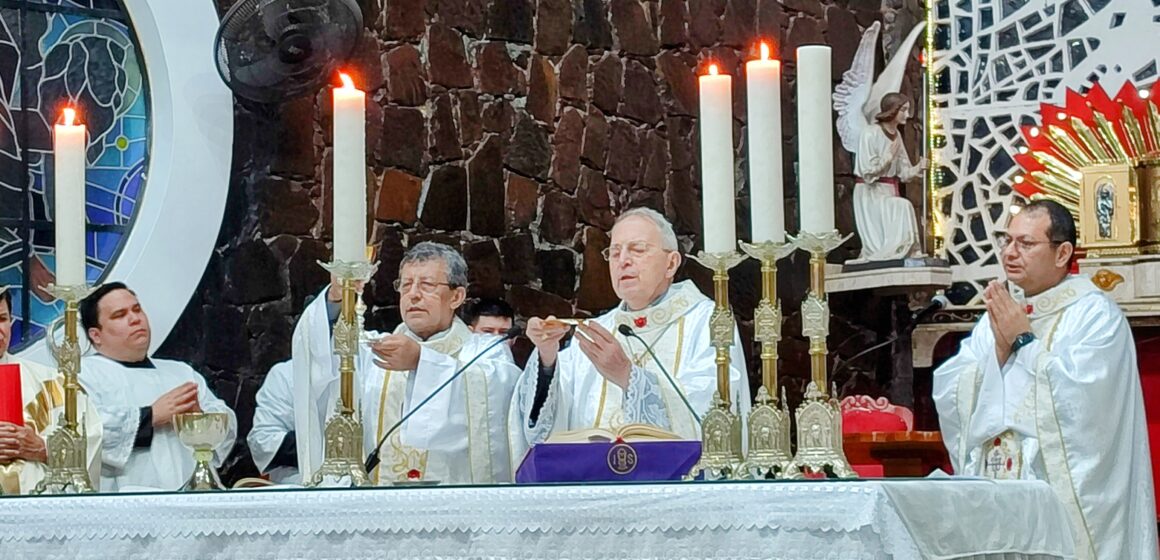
x: 870, y: 113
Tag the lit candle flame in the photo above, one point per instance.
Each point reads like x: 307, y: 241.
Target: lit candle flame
x: 1144, y: 94
x: 1034, y: 131
x: 1061, y: 116
x: 1019, y: 179
x: 712, y: 69
x: 764, y: 51
x: 347, y: 83
x: 1022, y: 149
x: 70, y: 115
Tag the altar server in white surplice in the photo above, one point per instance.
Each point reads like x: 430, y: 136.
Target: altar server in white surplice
x: 611, y: 380
x: 460, y: 436
x: 272, y: 440
x: 23, y: 449
x: 138, y: 396
x: 1047, y: 388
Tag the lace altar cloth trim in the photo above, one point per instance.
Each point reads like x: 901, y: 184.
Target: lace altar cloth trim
x: 701, y: 513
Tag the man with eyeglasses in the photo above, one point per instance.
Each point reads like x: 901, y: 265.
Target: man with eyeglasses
x: 460, y: 436
x: 1047, y: 388
x: 605, y: 379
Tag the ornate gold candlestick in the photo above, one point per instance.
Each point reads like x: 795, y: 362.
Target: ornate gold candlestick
x: 343, y: 454
x: 67, y: 470
x: 819, y: 420
x: 721, y: 450
x: 769, y: 455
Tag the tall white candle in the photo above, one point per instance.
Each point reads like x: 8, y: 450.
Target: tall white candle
x: 350, y: 175
x: 766, y: 205
x: 717, y: 162
x: 68, y: 148
x: 815, y: 139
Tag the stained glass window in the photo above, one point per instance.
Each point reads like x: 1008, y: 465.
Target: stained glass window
x: 55, y: 53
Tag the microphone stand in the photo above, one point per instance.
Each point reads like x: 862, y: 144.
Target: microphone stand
x: 627, y: 331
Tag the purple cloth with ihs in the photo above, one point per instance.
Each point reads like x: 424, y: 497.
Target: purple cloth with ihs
x: 608, y: 461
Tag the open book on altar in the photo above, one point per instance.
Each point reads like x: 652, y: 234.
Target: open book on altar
x: 627, y: 432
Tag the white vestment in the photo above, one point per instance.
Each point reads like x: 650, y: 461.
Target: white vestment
x: 42, y: 390
x: 273, y: 421
x: 1067, y: 409
x: 120, y: 392
x: 885, y: 220
x: 459, y: 437
x: 677, y: 329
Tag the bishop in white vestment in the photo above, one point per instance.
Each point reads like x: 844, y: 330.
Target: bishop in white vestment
x: 272, y: 440
x: 42, y: 392
x: 460, y: 435
x: 138, y: 396
x: 1048, y: 389
x: 612, y: 380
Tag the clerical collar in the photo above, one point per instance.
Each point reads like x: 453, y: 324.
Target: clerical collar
x: 143, y: 364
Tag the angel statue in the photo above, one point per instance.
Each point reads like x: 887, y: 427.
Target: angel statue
x: 870, y: 113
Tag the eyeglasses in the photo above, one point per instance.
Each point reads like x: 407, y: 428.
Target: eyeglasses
x: 636, y: 250
x: 426, y: 287
x: 1002, y: 240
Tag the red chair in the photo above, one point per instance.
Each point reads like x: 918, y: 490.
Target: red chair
x: 862, y: 414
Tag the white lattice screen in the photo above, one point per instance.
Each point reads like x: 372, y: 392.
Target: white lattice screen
x: 995, y: 61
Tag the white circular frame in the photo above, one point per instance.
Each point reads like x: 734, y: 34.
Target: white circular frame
x: 191, y: 129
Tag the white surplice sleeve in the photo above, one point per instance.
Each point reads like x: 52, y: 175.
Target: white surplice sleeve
x: 274, y: 415
x: 955, y: 386
x: 119, y: 423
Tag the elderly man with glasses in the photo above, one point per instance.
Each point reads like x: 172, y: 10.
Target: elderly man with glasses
x: 1047, y: 388
x: 460, y: 436
x: 604, y: 377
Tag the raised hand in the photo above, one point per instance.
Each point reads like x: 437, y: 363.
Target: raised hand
x: 605, y: 352
x: 178, y: 400
x: 546, y: 334
x: 396, y: 352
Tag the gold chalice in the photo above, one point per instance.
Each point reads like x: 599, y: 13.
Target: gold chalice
x: 202, y: 432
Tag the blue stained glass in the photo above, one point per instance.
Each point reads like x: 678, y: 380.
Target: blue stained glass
x: 85, y: 56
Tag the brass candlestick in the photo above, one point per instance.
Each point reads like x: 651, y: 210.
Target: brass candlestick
x: 770, y: 455
x: 67, y: 470
x: 721, y: 449
x: 343, y: 454
x: 819, y: 420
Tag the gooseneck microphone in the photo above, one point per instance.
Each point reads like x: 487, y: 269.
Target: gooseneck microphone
x: 627, y: 331
x: 373, y: 459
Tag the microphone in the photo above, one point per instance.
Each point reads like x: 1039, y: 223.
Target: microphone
x: 373, y: 459
x: 938, y: 302
x: 627, y: 331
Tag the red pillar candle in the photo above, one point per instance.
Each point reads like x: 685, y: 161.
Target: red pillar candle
x: 11, y: 399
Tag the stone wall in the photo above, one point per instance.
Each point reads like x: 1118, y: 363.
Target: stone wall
x: 515, y: 130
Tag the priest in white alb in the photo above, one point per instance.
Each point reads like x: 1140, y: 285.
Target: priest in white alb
x: 460, y: 435
x: 605, y: 379
x: 23, y: 449
x: 138, y: 396
x: 1047, y: 388
x: 272, y: 440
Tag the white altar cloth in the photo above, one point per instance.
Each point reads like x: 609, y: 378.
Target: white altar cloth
x: 801, y: 520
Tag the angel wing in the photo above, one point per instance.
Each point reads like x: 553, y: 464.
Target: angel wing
x: 851, y: 95
x: 890, y: 80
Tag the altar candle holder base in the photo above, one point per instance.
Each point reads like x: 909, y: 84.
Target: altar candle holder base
x: 343, y: 460
x: 721, y: 447
x: 66, y: 471
x: 770, y: 455
x: 819, y: 419
x: 819, y: 422
x: 769, y: 440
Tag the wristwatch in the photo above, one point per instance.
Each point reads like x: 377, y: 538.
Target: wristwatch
x: 1022, y: 340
